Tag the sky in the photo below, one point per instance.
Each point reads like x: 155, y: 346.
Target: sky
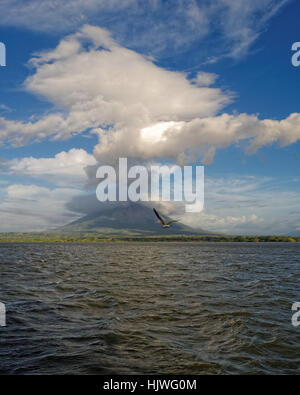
x: 157, y: 81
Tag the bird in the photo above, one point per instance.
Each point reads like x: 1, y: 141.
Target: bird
x: 163, y: 223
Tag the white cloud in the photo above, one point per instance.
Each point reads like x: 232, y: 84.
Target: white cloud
x: 121, y: 88
x: 242, y: 205
x: 37, y: 208
x: 128, y: 94
x: 199, y: 136
x: 248, y: 205
x: 4, y: 108
x: 54, y: 15
x: 205, y: 79
x: 124, y: 97
x: 243, y: 22
x: 222, y: 27
x: 33, y: 208
x: 65, y: 168
x: 243, y: 224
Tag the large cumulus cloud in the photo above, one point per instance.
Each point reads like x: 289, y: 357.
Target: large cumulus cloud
x: 137, y: 109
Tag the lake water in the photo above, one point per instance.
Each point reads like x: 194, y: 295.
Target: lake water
x: 180, y: 308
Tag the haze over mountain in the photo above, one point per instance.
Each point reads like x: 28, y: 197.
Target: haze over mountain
x: 126, y: 218
x: 295, y: 233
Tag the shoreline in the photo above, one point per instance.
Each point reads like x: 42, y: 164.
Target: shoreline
x: 35, y: 237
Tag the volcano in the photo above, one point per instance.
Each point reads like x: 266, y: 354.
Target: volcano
x: 127, y: 219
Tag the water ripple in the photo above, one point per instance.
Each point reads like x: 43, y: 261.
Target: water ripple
x: 181, y: 308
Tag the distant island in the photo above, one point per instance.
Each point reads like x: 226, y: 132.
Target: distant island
x: 50, y: 237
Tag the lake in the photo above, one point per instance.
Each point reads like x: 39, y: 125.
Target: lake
x: 145, y: 308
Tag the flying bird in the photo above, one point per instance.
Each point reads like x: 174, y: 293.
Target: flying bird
x: 163, y: 223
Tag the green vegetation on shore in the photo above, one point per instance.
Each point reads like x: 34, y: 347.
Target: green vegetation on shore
x: 48, y: 237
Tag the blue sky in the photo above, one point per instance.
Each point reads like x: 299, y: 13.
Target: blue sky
x: 83, y: 79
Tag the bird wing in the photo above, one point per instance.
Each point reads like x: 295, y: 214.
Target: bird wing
x: 159, y: 217
x: 173, y: 220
